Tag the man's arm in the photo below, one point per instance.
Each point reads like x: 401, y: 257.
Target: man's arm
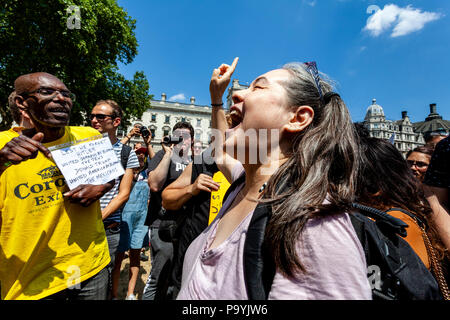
x: 148, y: 145
x: 176, y: 194
x: 122, y: 196
x: 127, y: 138
x: 438, y: 200
x: 158, y: 176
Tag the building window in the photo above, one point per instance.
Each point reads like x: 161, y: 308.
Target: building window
x: 153, y: 117
x: 166, y: 132
x: 199, y: 122
x: 183, y: 119
x: 167, y: 121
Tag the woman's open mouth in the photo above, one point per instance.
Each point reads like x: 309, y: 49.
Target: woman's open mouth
x: 236, y: 117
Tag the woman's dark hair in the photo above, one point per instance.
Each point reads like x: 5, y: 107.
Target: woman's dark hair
x: 426, y: 149
x: 385, y: 181
x: 321, y: 166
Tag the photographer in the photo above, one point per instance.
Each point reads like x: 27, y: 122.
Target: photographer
x: 164, y: 168
x: 146, y: 135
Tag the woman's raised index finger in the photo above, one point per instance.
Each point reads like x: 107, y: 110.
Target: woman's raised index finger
x: 233, y: 66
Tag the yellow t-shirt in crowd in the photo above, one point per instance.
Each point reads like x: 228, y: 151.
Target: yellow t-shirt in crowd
x: 47, y: 244
x: 7, y: 135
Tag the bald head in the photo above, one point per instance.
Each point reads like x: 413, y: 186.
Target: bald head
x: 33, y: 81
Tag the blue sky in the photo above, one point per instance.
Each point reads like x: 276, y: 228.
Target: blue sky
x: 395, y: 51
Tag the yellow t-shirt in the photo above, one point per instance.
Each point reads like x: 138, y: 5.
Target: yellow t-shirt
x: 47, y: 244
x: 6, y: 136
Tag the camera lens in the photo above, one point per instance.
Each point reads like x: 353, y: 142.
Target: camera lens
x: 144, y: 132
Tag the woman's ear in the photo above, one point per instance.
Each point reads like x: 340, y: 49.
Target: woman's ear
x: 301, y: 118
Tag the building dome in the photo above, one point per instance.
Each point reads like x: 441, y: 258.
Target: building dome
x: 374, y: 110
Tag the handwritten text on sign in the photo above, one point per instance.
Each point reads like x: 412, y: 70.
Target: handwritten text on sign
x: 91, y: 162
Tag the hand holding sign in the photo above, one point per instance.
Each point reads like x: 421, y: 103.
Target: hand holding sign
x: 91, y: 162
x: 86, y: 194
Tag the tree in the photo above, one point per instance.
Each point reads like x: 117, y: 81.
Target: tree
x: 46, y: 35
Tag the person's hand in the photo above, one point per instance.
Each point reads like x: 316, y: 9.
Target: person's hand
x: 203, y: 183
x: 133, y: 132
x: 86, y: 194
x: 167, y: 149
x: 22, y: 148
x: 219, y: 81
x: 148, y: 139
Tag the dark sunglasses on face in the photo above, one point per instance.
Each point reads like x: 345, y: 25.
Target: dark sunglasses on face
x: 418, y: 164
x: 99, y: 116
x: 50, y: 93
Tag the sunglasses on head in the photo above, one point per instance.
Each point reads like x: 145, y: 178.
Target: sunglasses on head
x: 99, y: 116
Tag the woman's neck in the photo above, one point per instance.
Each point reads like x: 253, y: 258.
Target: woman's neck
x: 256, y: 175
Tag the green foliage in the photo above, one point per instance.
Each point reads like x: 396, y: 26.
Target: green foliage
x: 34, y: 36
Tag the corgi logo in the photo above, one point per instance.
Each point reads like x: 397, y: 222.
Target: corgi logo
x: 49, y: 172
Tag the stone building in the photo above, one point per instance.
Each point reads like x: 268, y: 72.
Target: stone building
x: 164, y: 114
x: 433, y: 124
x: 401, y: 131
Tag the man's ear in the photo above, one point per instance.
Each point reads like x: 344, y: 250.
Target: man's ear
x: 301, y: 118
x: 20, y: 102
x: 117, y: 122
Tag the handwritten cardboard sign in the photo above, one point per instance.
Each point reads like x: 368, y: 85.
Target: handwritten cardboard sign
x: 87, y: 161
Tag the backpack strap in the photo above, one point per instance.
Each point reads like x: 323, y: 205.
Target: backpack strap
x: 124, y: 154
x: 396, y: 225
x: 259, y: 266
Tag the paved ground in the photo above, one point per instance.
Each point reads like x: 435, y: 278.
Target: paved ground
x: 143, y: 275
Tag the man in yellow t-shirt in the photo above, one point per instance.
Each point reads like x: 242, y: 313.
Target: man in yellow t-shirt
x: 52, y: 240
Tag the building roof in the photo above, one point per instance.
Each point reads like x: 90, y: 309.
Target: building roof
x: 433, y: 123
x: 374, y: 110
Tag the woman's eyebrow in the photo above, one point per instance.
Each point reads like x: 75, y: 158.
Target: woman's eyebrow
x: 261, y: 80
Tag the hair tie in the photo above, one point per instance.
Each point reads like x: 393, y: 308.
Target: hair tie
x: 327, y: 96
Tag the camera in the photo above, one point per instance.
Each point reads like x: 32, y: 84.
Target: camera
x: 172, y: 140
x: 144, y: 132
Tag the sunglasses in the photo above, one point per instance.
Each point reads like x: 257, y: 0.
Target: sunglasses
x: 99, y: 116
x: 311, y: 67
x: 418, y: 164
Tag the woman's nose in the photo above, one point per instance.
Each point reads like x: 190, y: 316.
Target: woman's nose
x: 239, y: 95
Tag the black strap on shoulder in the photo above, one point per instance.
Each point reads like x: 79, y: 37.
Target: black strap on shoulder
x: 259, y: 266
x: 124, y: 154
x: 397, y: 225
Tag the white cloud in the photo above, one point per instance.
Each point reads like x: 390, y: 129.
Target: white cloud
x: 403, y: 20
x: 310, y: 3
x: 179, y: 97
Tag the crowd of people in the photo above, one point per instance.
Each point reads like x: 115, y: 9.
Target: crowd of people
x: 264, y: 218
